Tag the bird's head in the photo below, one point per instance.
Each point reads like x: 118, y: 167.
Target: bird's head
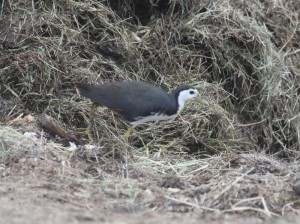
x: 185, y: 93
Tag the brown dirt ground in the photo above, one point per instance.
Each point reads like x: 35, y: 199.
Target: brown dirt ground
x: 43, y: 182
x: 32, y: 199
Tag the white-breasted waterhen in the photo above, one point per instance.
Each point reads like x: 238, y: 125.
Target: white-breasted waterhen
x: 137, y: 102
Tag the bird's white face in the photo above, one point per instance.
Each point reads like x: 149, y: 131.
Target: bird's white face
x: 186, y: 95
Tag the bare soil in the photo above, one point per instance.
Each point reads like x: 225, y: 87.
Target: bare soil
x: 44, y: 182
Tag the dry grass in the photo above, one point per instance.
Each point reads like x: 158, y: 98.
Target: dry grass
x: 245, y: 70
x: 228, y: 49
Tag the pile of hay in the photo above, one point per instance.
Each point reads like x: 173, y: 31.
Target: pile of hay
x: 242, y: 55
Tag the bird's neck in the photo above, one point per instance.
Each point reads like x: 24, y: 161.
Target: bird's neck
x: 175, y: 94
x: 180, y: 105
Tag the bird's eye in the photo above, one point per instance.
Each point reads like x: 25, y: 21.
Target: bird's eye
x: 192, y: 92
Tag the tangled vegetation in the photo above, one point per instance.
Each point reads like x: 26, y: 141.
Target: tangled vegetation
x: 242, y: 55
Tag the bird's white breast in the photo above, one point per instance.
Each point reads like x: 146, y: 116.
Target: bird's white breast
x: 152, y: 117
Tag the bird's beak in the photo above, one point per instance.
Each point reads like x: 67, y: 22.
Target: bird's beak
x: 198, y: 96
x: 201, y: 100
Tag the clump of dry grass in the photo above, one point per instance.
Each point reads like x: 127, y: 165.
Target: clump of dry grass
x: 232, y: 50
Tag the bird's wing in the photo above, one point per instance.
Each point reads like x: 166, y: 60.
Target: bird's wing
x: 131, y: 99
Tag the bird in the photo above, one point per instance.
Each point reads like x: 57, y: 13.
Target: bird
x: 137, y: 102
